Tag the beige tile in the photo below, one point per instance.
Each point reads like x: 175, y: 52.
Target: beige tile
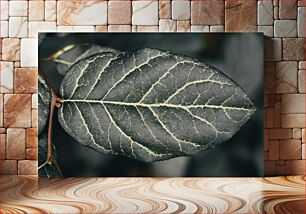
x: 4, y: 10
x: 280, y: 133
x: 35, y: 118
x: 266, y: 30
x: 270, y: 117
x: 180, y: 10
x: 27, y: 167
x: 280, y: 162
x: 301, y: 22
x: 18, y: 8
x: 146, y: 28
x: 134, y: 29
x: 101, y: 28
x: 265, y: 12
x: 198, y: 28
x: 11, y: 49
x: 15, y: 144
x: 287, y: 9
x: 75, y: 29
x: 26, y: 80
x: 32, y: 138
x: 297, y: 133
x: 301, y: 3
x: 164, y: 9
x: 273, y: 150
x: 167, y: 25
x: 290, y: 149
x: 1, y: 110
x: 183, y: 26
x: 301, y: 81
x: 269, y: 80
x: 280, y: 170
x: 286, y: 77
x: 269, y: 168
x: 240, y: 15
x: 304, y: 135
x: 293, y: 48
x: 278, y: 114
x: 119, y: 12
x: 266, y: 139
x: 38, y: 26
x: 145, y: 13
x: 216, y: 28
x: 285, y: 28
x: 8, y: 167
x: 34, y: 101
x: 207, y: 12
x: 50, y: 10
x: 271, y: 100
x: 2, y: 146
x: 17, y: 64
x: 18, y: 27
x: 74, y: 12
x: 36, y: 10
x: 304, y: 151
x: 293, y: 120
x: 295, y: 167
x: 4, y: 32
x: 293, y: 103
x: 302, y: 65
x: 32, y: 154
x: 29, y: 52
x: 17, y: 110
x: 119, y: 28
x: 6, y: 77
x: 275, y: 13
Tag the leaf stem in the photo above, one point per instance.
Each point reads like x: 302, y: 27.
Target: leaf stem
x: 55, y: 101
x: 52, y: 105
x: 54, y: 57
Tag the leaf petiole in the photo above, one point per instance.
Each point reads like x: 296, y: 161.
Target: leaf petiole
x: 55, y: 101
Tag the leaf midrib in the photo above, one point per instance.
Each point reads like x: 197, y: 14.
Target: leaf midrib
x: 157, y: 105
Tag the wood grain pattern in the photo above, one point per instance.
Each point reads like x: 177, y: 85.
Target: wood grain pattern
x: 153, y: 195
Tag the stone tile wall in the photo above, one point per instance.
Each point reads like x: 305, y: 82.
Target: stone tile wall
x: 281, y: 20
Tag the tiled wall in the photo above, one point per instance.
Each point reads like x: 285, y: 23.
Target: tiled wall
x: 283, y: 20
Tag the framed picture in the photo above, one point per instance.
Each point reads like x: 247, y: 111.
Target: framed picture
x: 150, y: 104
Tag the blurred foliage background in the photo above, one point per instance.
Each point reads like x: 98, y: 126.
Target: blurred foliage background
x: 238, y: 55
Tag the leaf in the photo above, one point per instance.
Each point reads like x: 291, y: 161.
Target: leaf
x: 76, y: 53
x: 150, y: 105
x: 46, y: 170
x: 44, y: 101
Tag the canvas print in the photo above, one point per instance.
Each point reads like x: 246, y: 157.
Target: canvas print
x: 150, y: 104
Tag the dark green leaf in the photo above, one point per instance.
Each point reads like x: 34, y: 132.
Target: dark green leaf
x: 150, y: 105
x: 44, y: 101
x: 77, y: 53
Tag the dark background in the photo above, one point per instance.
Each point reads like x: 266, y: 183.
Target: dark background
x: 238, y: 55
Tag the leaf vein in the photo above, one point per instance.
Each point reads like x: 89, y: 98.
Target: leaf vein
x: 127, y: 136
x: 131, y: 71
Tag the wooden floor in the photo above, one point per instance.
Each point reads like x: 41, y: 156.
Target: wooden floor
x: 153, y: 195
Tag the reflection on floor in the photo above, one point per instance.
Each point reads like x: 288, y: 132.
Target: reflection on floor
x: 139, y: 195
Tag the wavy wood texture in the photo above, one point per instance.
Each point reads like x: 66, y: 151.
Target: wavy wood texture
x: 140, y: 195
